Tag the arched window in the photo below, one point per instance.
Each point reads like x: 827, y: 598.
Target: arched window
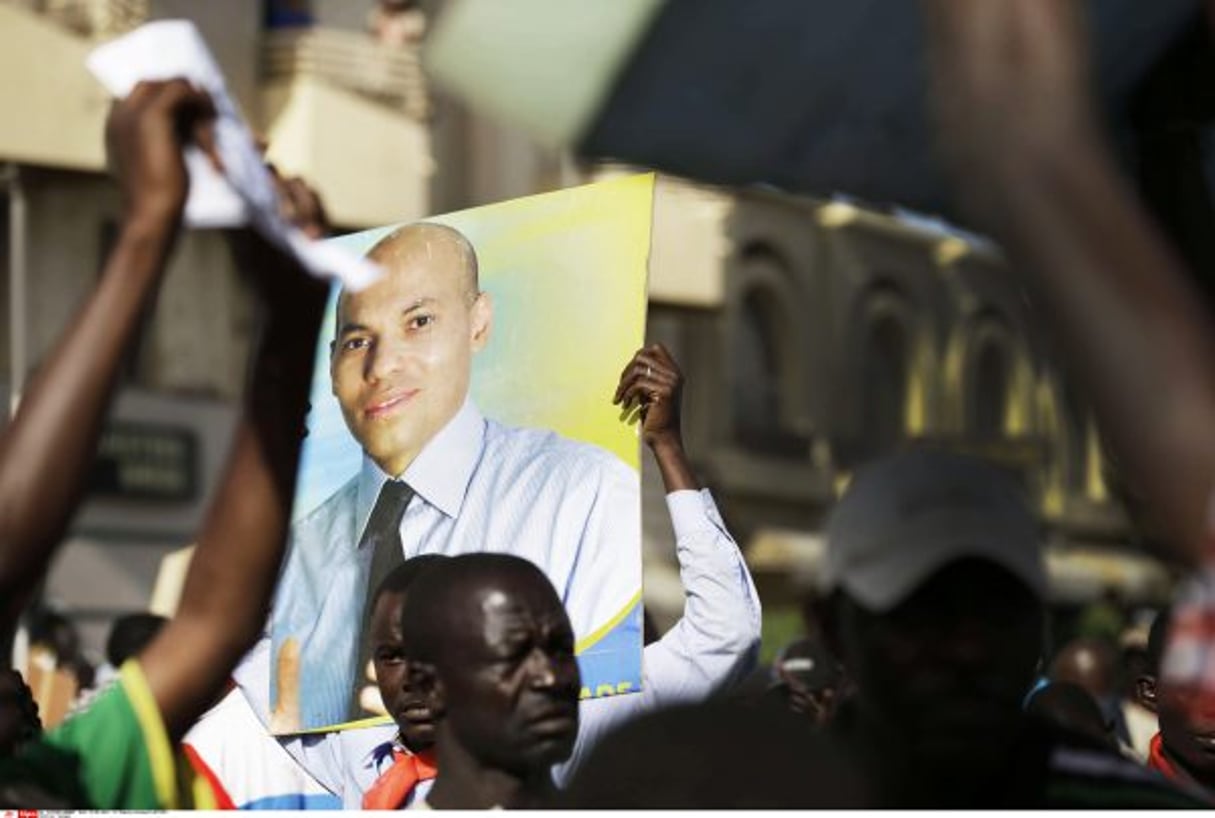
x: 885, y: 360
x: 764, y: 357
x: 756, y: 393
x: 990, y: 391
x: 1075, y: 420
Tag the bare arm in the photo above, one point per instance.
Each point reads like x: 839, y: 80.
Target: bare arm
x: 46, y: 452
x: 1020, y: 133
x: 228, y: 588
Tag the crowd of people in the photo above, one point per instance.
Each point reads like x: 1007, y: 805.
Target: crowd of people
x: 927, y: 681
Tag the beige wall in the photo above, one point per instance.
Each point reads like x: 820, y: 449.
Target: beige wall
x: 689, y: 247
x: 66, y: 213
x: 54, y: 111
x: 348, y: 14
x: 371, y: 163
x: 196, y: 340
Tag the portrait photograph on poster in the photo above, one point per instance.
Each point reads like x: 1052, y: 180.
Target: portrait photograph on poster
x: 464, y: 403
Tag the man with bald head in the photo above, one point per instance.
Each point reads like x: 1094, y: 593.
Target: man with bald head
x: 439, y: 478
x: 402, y: 353
x: 492, y: 648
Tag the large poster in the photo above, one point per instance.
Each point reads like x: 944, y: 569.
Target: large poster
x: 479, y: 372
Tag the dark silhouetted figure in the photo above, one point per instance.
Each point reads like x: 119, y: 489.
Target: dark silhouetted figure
x: 936, y: 585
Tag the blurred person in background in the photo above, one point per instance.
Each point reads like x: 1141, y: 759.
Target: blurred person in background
x: 1140, y: 721
x: 935, y: 585
x: 807, y: 679
x: 53, y: 634
x: 130, y: 634
x: 1093, y: 665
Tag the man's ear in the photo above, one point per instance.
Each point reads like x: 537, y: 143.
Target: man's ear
x: 1145, y: 692
x: 482, y: 321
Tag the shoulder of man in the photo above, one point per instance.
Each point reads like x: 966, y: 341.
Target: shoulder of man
x: 337, y: 509
x: 560, y: 456
x: 313, y: 548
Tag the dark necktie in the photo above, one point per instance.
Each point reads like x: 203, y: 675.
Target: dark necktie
x: 383, y: 536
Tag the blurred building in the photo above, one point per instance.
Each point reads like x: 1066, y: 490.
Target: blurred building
x: 818, y: 335
x: 813, y: 335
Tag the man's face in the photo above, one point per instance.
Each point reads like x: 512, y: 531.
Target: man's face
x: 403, y: 351
x: 408, y: 705
x: 510, y: 678
x: 947, y: 669
x: 1187, y: 728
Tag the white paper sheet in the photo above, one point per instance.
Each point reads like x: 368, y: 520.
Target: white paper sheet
x: 245, y: 192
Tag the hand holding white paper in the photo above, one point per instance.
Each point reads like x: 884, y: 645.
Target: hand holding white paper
x: 244, y: 192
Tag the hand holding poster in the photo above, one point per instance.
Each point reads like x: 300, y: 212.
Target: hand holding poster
x: 464, y: 403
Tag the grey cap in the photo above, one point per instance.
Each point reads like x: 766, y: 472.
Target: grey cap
x: 906, y: 516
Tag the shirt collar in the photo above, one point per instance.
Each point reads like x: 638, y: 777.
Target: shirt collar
x: 440, y: 473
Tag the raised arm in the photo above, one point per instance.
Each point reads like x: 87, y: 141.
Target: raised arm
x: 46, y: 451
x: 716, y: 639
x: 228, y: 587
x: 1020, y: 133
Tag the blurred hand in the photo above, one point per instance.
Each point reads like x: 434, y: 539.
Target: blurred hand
x: 300, y: 205
x: 653, y: 383
x: 1007, y: 75
x: 818, y: 706
x: 279, y: 278
x: 145, y: 134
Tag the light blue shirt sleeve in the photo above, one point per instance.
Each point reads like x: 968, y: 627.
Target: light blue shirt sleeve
x: 715, y: 643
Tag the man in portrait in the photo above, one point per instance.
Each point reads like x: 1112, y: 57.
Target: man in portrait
x: 437, y: 477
